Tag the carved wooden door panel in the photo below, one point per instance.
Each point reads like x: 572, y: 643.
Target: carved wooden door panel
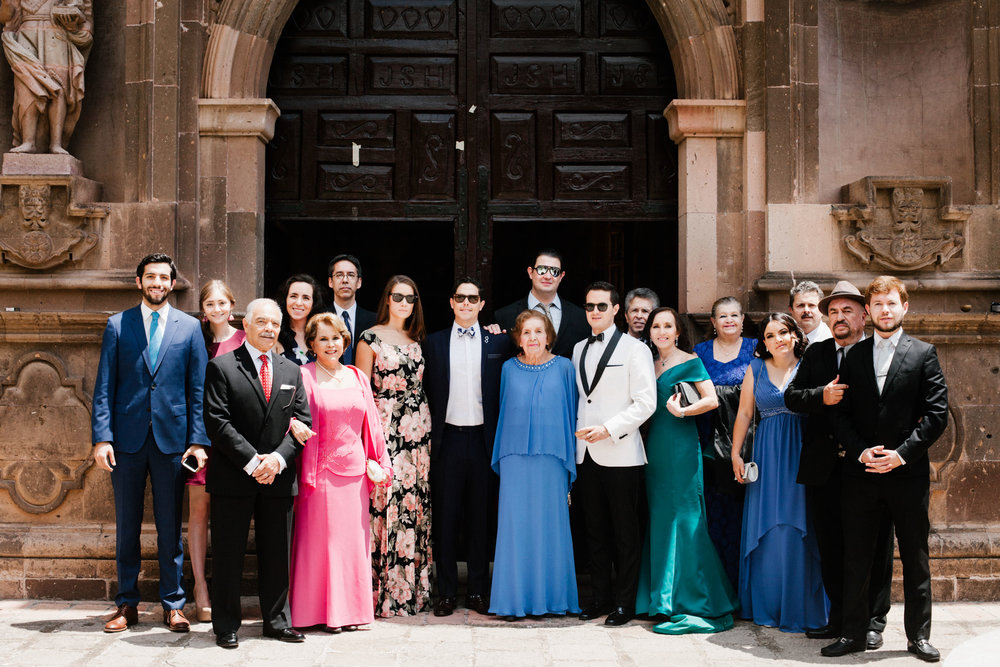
x: 440, y: 137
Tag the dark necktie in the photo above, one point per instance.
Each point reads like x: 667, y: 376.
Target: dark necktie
x: 265, y: 377
x: 348, y: 355
x: 840, y: 357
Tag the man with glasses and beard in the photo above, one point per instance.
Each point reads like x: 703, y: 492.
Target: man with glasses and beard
x: 895, y: 408
x: 815, y: 391
x: 614, y: 373
x: 567, y: 319
x: 146, y: 419
x: 462, y: 381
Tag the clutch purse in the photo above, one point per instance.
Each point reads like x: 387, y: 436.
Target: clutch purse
x: 688, y: 393
x: 375, y: 472
x: 750, y: 472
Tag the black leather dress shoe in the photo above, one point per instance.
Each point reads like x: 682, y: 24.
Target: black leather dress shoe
x: 595, y: 611
x: 828, y: 631
x: 444, y: 606
x: 286, y: 635
x: 843, y: 646
x: 227, y: 640
x: 620, y: 616
x: 873, y: 640
x: 923, y: 650
x: 478, y: 604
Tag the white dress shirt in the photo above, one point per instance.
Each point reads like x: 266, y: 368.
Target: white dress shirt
x: 555, y: 309
x: 147, y: 318
x: 352, y: 314
x: 884, y: 350
x: 595, y: 351
x: 257, y: 363
x: 465, y: 386
x: 822, y: 332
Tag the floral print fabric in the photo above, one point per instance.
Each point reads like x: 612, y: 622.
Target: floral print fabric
x: 401, y: 514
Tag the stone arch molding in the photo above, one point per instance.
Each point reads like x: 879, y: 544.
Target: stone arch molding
x: 44, y: 433
x: 699, y: 35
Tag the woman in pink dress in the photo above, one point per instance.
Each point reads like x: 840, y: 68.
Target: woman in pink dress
x: 220, y: 337
x: 331, y: 568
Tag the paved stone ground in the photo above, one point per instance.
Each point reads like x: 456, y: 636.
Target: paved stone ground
x: 36, y: 633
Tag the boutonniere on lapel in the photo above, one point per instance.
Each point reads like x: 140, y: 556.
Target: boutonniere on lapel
x: 486, y: 338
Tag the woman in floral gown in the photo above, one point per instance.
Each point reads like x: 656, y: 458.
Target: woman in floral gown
x: 390, y: 354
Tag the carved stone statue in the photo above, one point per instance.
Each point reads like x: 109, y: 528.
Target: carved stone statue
x: 46, y: 43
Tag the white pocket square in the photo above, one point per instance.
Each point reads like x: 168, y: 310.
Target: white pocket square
x: 287, y: 386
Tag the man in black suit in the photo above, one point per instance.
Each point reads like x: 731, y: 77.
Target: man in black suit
x: 462, y: 380
x: 568, y: 319
x: 815, y: 390
x: 895, y: 407
x: 345, y: 280
x: 251, y: 397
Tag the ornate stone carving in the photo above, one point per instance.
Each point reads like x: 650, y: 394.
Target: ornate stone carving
x: 42, y: 220
x: 902, y: 224
x: 44, y: 433
x: 46, y: 43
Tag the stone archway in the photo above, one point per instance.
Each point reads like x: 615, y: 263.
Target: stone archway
x: 236, y: 121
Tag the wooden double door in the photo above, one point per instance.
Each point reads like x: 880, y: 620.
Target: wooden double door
x: 439, y: 138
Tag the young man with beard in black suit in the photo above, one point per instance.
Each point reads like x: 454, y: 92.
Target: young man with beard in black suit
x: 895, y: 407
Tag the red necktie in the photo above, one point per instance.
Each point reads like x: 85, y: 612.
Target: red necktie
x: 265, y: 377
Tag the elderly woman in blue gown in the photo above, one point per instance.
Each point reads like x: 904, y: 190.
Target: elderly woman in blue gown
x: 534, y: 453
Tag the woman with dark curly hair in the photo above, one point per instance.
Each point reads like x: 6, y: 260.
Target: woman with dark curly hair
x: 780, y: 579
x: 299, y: 298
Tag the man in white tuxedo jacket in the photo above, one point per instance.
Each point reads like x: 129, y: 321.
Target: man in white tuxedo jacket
x: 614, y: 374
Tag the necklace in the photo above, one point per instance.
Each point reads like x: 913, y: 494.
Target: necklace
x: 337, y: 379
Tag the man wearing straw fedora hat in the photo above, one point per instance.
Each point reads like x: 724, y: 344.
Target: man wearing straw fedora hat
x: 815, y: 390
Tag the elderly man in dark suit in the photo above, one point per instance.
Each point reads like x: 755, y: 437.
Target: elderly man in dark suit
x: 462, y: 380
x: 816, y: 390
x: 895, y: 407
x: 568, y: 319
x: 251, y: 397
x: 147, y: 410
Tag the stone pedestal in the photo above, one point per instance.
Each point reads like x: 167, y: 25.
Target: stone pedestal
x: 48, y: 213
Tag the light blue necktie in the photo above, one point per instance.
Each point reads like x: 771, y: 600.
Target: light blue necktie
x: 154, y: 339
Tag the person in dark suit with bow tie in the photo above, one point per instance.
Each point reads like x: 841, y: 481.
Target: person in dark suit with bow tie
x: 462, y: 380
x: 617, y: 395
x: 568, y: 319
x: 895, y: 407
x: 815, y: 391
x: 345, y: 280
x: 252, y: 395
x: 147, y: 410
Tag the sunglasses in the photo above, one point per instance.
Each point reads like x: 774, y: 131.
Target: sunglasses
x: 460, y: 298
x: 397, y: 297
x: 553, y: 271
x: 603, y: 307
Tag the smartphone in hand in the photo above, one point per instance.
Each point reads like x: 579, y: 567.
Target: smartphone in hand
x: 190, y: 462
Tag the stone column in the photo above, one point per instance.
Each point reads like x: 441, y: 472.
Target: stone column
x: 696, y: 126
x: 233, y: 135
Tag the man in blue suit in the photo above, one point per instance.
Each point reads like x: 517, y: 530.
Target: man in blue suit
x: 147, y: 417
x: 462, y: 380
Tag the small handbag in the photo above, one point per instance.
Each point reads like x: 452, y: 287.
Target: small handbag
x: 688, y: 393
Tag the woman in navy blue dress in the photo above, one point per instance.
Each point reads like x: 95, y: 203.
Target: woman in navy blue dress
x: 726, y: 357
x: 780, y: 580
x: 535, y: 455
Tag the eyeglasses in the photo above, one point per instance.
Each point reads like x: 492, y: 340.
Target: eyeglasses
x: 397, y: 297
x: 553, y: 271
x: 603, y: 307
x: 460, y: 298
x: 340, y: 275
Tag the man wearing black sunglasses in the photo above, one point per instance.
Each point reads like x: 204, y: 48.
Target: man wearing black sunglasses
x: 569, y: 321
x: 462, y: 381
x: 617, y: 394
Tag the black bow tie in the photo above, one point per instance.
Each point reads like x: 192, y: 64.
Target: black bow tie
x: 591, y: 339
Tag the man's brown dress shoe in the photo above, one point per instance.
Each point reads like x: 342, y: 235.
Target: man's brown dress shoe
x: 125, y: 617
x: 175, y: 621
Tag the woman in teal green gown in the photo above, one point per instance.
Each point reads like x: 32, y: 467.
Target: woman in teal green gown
x: 682, y: 577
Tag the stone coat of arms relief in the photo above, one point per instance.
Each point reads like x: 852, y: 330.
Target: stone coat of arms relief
x: 902, y: 224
